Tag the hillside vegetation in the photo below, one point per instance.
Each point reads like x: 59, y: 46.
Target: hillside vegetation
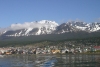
x: 80, y: 38
x: 78, y: 42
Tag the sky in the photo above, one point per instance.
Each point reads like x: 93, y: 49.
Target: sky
x: 21, y: 11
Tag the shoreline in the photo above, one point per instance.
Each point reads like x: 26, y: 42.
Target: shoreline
x: 60, y: 54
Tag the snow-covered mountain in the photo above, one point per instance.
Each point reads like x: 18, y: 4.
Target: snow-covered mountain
x: 90, y: 27
x: 75, y: 26
x: 48, y: 27
x: 30, y: 28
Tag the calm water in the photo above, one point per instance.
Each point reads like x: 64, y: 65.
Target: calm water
x: 50, y: 61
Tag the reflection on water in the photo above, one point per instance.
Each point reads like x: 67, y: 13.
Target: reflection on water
x: 78, y: 61
x: 69, y: 60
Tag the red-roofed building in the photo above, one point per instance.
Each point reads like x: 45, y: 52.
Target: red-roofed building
x: 97, y: 47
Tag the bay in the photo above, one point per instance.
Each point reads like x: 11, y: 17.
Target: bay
x: 50, y: 60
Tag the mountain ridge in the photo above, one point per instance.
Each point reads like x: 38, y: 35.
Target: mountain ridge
x: 45, y: 27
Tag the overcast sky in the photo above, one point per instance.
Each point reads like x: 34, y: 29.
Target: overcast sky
x: 21, y: 11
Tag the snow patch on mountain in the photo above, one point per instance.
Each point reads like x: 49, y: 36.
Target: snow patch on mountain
x: 28, y: 30
x: 39, y: 32
x: 82, y: 28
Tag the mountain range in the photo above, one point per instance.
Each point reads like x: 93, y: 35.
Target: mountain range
x: 46, y: 27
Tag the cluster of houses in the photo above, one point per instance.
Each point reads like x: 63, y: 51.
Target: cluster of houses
x: 46, y: 50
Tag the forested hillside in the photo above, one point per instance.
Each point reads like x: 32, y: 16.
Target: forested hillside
x: 78, y: 41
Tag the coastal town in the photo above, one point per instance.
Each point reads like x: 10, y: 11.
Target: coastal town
x: 49, y: 50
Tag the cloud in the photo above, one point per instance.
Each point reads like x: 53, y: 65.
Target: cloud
x: 39, y: 24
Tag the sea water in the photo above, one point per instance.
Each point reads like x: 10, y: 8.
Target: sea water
x: 54, y: 60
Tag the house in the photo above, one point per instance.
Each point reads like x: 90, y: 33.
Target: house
x: 96, y: 48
